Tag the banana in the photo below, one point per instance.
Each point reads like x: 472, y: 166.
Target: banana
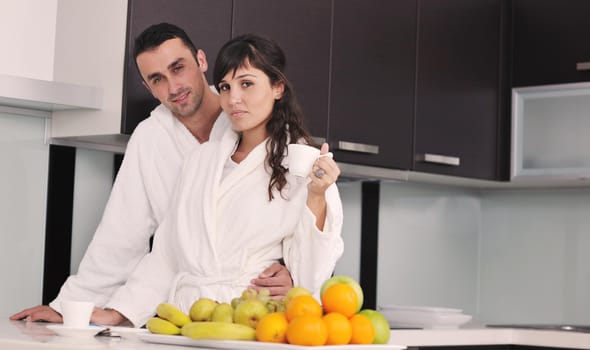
x: 218, y: 330
x: 171, y: 313
x: 160, y: 326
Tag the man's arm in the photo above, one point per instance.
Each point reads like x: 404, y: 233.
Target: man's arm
x: 38, y: 313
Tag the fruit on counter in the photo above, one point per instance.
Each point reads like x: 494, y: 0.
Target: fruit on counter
x: 295, y: 291
x: 339, y: 329
x: 348, y: 280
x: 218, y: 331
x: 272, y: 328
x: 362, y: 330
x: 202, y: 309
x: 223, y: 312
x: 171, y: 313
x: 303, y: 305
x: 341, y: 298
x: 161, y: 326
x: 249, y: 312
x: 307, y: 330
x: 380, y: 324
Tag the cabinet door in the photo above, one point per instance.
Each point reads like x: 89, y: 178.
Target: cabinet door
x: 207, y: 23
x: 551, y: 42
x: 459, y: 88
x: 302, y: 29
x: 372, y: 84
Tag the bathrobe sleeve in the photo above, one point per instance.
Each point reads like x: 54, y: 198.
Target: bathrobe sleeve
x: 150, y: 283
x: 311, y: 254
x: 120, y: 241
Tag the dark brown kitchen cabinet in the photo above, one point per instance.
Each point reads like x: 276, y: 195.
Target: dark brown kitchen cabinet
x: 206, y: 22
x: 302, y: 29
x: 372, y: 82
x: 551, y: 42
x: 462, y: 89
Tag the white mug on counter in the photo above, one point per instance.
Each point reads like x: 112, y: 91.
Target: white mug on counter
x: 301, y: 158
x: 76, y: 313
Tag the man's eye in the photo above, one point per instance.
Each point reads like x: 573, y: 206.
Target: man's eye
x: 178, y: 68
x: 156, y: 80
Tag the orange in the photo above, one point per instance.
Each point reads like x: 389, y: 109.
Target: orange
x: 340, y: 297
x: 303, y: 305
x: 307, y: 330
x: 362, y: 330
x: 272, y: 328
x: 339, y: 329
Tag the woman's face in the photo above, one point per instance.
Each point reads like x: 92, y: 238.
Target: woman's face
x: 248, y: 98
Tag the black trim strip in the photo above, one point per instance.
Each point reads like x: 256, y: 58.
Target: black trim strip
x: 58, y: 222
x: 369, y: 242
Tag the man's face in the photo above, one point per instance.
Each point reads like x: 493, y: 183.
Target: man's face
x: 172, y: 75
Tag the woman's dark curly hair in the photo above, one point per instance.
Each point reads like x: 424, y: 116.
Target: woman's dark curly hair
x: 286, y: 122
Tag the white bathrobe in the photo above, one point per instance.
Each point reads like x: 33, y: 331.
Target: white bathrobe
x: 137, y: 205
x: 220, y: 233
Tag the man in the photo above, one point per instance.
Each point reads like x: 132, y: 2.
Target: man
x: 173, y: 70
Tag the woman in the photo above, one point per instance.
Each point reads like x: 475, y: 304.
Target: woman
x: 236, y: 208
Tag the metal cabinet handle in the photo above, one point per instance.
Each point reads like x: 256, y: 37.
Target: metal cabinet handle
x: 583, y: 66
x: 318, y: 140
x: 358, y: 147
x: 440, y: 159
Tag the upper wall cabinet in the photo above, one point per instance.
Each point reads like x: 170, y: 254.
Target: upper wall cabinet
x: 302, y: 29
x: 462, y: 89
x: 206, y: 22
x: 372, y: 83
x: 551, y: 42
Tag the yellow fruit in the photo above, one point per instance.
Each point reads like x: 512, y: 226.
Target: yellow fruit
x: 339, y: 329
x: 307, y: 330
x: 340, y: 297
x: 362, y: 330
x: 303, y: 305
x: 218, y: 330
x: 171, y: 313
x: 161, y: 326
x: 272, y: 328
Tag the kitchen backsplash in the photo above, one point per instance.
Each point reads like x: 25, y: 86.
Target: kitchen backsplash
x: 502, y: 256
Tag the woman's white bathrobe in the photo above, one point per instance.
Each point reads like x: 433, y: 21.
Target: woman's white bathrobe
x: 220, y: 233
x: 137, y: 205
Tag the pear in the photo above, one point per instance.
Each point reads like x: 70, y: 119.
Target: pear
x: 202, y: 309
x: 250, y: 312
x: 223, y: 312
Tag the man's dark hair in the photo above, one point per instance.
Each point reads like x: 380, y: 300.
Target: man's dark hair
x: 154, y: 35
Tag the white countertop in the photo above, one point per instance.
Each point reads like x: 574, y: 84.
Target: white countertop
x: 21, y: 335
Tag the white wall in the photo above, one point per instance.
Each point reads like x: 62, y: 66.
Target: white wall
x: 23, y: 188
x: 536, y: 256
x: 27, y: 33
x: 89, y: 50
x: 92, y: 187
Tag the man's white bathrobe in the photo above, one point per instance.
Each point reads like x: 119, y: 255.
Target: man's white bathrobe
x: 137, y: 205
x: 222, y: 231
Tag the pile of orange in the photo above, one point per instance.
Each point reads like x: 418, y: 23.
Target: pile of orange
x: 306, y: 322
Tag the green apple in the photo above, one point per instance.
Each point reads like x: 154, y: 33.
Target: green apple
x: 348, y: 280
x: 380, y: 324
x: 202, y: 309
x: 249, y: 312
x: 223, y: 312
x: 295, y: 292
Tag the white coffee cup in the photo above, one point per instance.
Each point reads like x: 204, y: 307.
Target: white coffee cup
x: 76, y: 313
x: 301, y: 158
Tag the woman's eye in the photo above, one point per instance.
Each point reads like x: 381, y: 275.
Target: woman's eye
x: 246, y: 84
x: 223, y: 87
